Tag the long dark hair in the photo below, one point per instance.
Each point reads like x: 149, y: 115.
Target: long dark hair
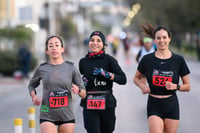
x: 150, y: 31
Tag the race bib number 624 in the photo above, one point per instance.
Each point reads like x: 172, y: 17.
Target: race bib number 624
x: 160, y: 80
x: 160, y: 77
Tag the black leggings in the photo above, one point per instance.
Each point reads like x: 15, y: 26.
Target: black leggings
x: 99, y: 121
x: 164, y: 108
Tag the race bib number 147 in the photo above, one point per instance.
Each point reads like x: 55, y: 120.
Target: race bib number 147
x: 96, y: 102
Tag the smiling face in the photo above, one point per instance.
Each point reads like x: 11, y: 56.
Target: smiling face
x: 54, y: 48
x: 162, y: 39
x: 95, y: 44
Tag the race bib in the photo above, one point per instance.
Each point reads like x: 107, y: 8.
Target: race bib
x: 58, y: 99
x: 160, y: 77
x: 96, y: 101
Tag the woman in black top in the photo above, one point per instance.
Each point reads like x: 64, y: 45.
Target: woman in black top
x: 99, y: 71
x: 162, y: 70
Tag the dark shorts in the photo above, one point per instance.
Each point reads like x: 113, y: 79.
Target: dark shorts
x: 57, y: 122
x: 164, y: 108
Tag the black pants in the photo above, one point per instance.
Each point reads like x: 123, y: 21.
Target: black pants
x: 99, y: 121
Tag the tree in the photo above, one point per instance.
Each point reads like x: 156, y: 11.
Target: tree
x: 180, y: 15
x: 68, y: 28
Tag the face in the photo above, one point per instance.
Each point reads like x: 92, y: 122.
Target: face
x: 54, y: 48
x: 148, y: 45
x: 95, y: 44
x: 162, y: 39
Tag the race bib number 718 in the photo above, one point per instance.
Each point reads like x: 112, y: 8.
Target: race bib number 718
x: 58, y: 99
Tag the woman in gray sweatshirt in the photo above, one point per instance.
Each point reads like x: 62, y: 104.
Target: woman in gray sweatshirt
x: 59, y: 79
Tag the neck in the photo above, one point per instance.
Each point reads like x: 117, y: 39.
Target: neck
x: 163, y: 54
x: 56, y: 61
x: 96, y: 53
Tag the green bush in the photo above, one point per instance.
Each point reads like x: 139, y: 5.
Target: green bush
x: 17, y: 33
x: 189, y: 48
x: 9, y: 62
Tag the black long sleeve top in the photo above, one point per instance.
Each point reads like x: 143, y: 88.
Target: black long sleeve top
x: 98, y: 82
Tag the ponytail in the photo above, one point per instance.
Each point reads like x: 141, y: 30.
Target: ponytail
x: 148, y: 30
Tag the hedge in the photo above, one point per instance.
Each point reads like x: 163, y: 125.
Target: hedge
x: 9, y: 62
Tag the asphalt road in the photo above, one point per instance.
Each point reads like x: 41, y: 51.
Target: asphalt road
x: 131, y: 104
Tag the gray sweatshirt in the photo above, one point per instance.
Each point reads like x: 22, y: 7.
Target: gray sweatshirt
x: 57, y: 82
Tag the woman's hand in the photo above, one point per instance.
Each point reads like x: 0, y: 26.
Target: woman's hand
x: 145, y: 89
x: 140, y: 81
x: 75, y: 89
x: 170, y: 85
x: 81, y: 92
x: 36, y: 100
x: 102, y: 72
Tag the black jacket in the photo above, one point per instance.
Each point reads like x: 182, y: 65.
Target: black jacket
x: 100, y: 83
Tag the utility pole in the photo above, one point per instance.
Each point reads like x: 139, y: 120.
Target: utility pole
x: 51, y: 15
x: 8, y: 12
